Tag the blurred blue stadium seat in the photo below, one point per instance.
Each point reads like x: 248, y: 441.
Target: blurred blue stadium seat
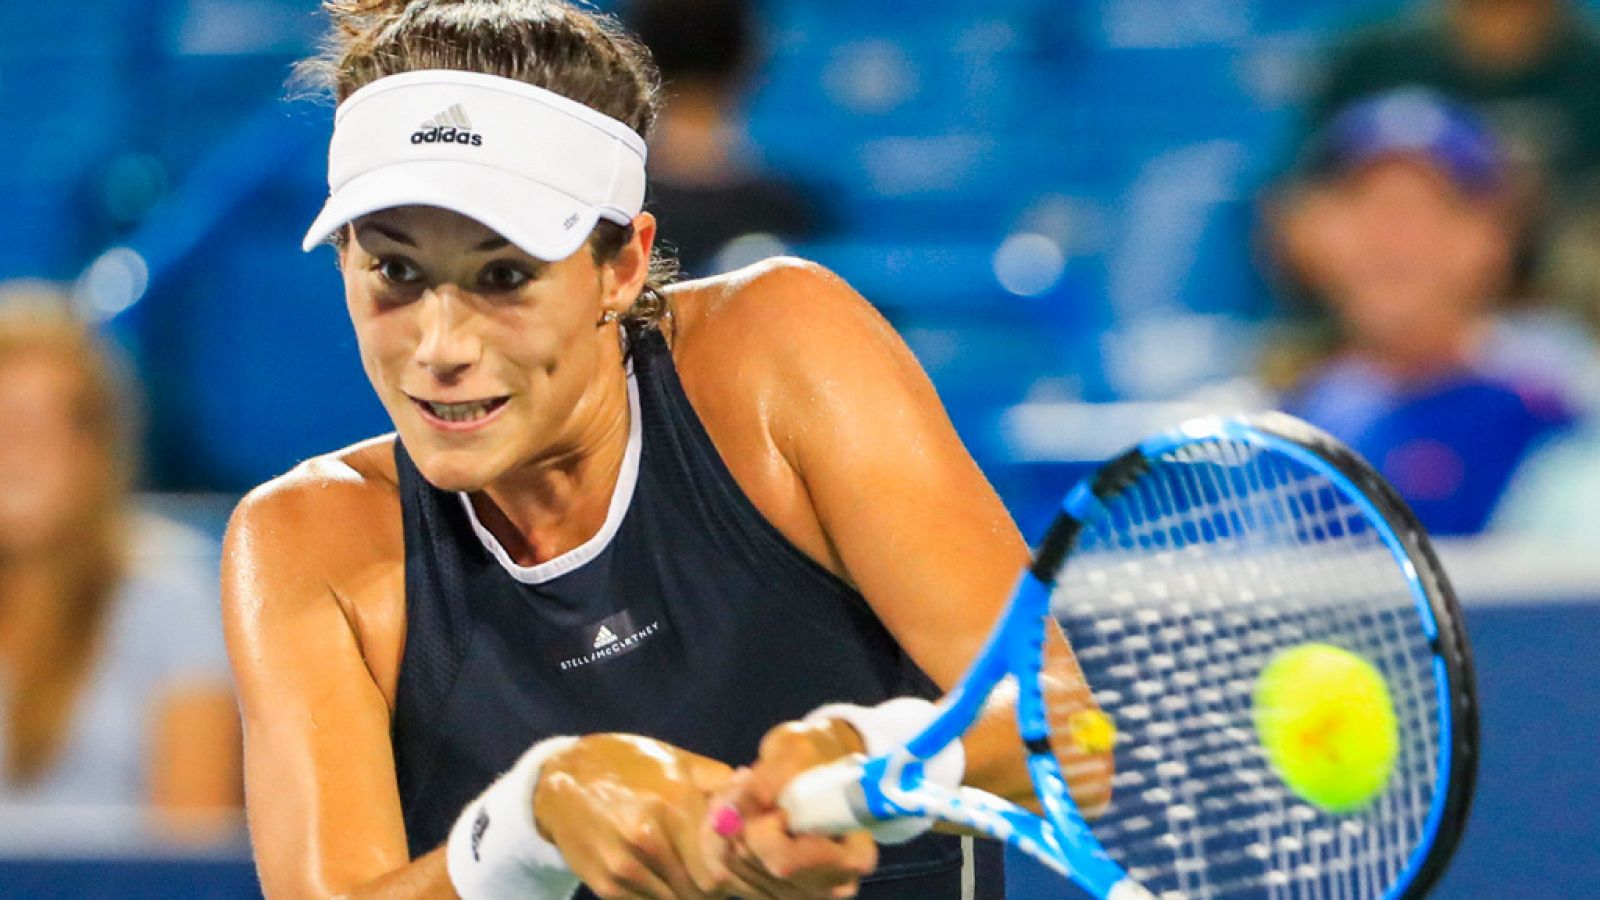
x: 267, y: 365
x: 1131, y: 133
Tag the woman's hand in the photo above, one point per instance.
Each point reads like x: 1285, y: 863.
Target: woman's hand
x: 628, y: 814
x: 804, y: 865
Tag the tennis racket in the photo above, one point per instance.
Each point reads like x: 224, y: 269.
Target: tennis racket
x: 1176, y: 571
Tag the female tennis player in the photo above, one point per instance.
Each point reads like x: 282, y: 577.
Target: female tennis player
x: 622, y: 530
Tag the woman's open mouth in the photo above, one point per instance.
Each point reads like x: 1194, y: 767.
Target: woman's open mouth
x: 460, y: 416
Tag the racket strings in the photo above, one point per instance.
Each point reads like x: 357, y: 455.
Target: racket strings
x: 1174, y: 601
x: 1303, y: 514
x: 1395, y: 643
x: 1300, y: 509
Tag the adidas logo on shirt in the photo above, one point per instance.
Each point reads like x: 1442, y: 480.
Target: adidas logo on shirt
x: 613, y: 636
x: 449, y: 127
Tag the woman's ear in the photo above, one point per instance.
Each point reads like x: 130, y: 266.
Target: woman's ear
x: 625, y: 275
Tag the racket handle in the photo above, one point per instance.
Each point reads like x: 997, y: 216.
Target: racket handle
x: 827, y: 800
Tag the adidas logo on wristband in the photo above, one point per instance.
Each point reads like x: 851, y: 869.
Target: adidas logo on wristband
x: 449, y: 127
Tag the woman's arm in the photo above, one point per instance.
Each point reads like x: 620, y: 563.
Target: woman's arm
x: 324, y: 809
x: 908, y: 516
x: 323, y: 806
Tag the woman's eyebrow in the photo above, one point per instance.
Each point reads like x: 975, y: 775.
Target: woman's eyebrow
x: 493, y: 243
x: 399, y: 237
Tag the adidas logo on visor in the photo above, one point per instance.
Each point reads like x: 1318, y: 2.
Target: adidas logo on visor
x: 449, y: 127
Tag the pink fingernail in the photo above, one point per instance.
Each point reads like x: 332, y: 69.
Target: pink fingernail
x: 727, y: 822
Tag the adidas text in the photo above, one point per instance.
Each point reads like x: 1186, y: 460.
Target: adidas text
x: 446, y: 135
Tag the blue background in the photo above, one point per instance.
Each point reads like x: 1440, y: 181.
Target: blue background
x: 148, y: 153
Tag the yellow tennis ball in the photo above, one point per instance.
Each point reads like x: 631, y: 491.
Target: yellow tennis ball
x: 1327, y: 722
x: 1091, y: 731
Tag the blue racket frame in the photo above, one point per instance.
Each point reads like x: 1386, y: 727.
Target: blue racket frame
x: 893, y: 785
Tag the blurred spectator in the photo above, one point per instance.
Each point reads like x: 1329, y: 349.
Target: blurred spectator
x: 1398, y: 224
x: 1531, y: 67
x: 1554, y: 493
x: 113, y: 679
x: 706, y: 187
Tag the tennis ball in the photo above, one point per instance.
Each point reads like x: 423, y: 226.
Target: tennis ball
x: 1327, y: 722
x: 1091, y: 731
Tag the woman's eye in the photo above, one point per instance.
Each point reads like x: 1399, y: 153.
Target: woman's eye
x: 503, y: 278
x: 398, y: 271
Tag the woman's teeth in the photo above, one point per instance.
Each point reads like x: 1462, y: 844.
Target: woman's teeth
x: 462, y: 412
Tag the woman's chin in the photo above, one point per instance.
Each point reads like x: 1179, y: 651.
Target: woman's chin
x: 454, y: 470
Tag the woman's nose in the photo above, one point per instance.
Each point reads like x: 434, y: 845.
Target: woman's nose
x: 449, y: 345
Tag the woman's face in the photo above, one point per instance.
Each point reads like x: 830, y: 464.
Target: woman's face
x: 48, y: 461
x: 486, y: 358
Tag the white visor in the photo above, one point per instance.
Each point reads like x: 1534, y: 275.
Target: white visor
x: 536, y: 167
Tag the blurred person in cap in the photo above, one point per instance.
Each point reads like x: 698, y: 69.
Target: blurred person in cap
x: 707, y: 185
x: 1528, y: 66
x: 113, y: 678
x: 1397, y: 222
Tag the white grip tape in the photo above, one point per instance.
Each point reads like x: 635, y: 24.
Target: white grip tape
x: 819, y: 801
x: 882, y: 728
x: 829, y: 800
x: 495, y: 851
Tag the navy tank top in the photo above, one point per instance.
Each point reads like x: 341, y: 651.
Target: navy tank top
x: 688, y: 618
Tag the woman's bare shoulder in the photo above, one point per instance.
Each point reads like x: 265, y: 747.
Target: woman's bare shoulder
x: 767, y: 317
x: 760, y: 352
x: 332, y: 515
x: 345, y: 482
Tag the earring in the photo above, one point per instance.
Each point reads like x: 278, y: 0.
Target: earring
x: 609, y: 317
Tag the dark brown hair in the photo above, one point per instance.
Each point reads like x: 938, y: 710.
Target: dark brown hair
x: 36, y: 321
x: 582, y: 55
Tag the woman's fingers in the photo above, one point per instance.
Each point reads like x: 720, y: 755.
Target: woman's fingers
x: 723, y: 855
x: 788, y: 750
x: 820, y: 866
x: 808, y: 866
x: 747, y: 870
x: 627, y: 812
x: 750, y: 837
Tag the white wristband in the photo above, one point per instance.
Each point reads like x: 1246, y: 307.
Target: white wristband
x: 889, y: 725
x: 495, y: 851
